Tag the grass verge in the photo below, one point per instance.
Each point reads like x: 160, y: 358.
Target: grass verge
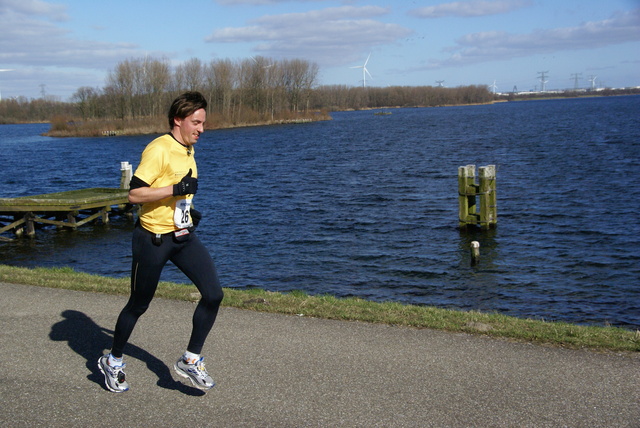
x: 353, y: 309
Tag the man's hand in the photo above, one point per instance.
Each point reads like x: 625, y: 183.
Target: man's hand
x: 187, y: 186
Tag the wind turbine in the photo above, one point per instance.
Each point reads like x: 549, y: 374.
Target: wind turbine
x: 494, y: 87
x: 1, y: 70
x: 364, y: 71
x: 261, y: 62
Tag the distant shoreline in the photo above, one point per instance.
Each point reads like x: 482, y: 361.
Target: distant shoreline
x: 62, y: 128
x: 158, y: 125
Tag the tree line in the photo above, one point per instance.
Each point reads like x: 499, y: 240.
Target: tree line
x: 250, y: 90
x: 253, y: 90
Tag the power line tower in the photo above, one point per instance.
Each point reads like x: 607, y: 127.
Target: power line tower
x: 542, y: 79
x: 575, y: 77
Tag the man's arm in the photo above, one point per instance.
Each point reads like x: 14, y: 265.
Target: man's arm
x: 140, y: 192
x: 141, y: 195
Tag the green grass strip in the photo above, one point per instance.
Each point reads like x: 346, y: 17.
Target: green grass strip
x: 353, y: 309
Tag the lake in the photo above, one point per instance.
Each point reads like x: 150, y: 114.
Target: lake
x: 367, y: 205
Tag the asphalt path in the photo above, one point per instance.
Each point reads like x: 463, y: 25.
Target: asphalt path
x: 292, y: 371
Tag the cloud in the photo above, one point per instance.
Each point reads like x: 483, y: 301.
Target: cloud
x: 55, y: 12
x: 473, y: 8
x: 258, y: 2
x: 473, y: 48
x: 29, y: 38
x: 330, y: 36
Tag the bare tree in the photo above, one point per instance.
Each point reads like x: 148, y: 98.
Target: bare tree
x: 157, y: 85
x: 221, y: 76
x: 86, y: 99
x: 299, y: 77
x: 121, y: 82
x: 193, y: 74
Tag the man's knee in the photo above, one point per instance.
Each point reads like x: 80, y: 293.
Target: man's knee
x: 213, y: 296
x: 136, y: 309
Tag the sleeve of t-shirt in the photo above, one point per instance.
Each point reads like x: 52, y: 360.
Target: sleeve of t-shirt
x: 136, y: 183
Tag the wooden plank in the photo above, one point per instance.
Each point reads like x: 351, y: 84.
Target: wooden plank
x: 88, y: 219
x: 47, y: 221
x: 12, y: 225
x: 66, y: 201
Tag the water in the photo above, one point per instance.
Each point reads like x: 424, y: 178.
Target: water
x: 366, y: 206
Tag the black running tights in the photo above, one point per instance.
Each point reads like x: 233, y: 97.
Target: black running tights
x: 194, y: 260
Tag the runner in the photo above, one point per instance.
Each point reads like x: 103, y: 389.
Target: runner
x: 164, y: 184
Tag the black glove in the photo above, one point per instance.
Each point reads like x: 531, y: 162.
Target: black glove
x: 187, y: 186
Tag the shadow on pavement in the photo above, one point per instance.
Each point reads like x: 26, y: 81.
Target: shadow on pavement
x: 89, y: 340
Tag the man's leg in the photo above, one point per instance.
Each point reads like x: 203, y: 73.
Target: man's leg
x: 196, y: 262
x: 146, y: 267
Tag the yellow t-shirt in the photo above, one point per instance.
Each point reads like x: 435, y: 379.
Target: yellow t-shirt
x: 164, y: 162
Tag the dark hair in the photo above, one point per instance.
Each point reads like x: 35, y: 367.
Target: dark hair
x: 185, y: 105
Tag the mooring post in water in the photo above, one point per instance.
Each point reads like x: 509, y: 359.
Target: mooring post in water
x: 488, y: 200
x: 467, y: 192
x: 125, y: 174
x: 475, y: 253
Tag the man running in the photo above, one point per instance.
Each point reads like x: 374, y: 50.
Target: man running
x: 164, y: 185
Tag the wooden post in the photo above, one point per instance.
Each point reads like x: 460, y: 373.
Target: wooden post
x: 105, y: 214
x: 488, y: 214
x: 463, y: 207
x: 30, y: 225
x: 125, y: 174
x: 71, y: 218
x: 475, y: 253
x: 467, y: 192
x: 493, y: 198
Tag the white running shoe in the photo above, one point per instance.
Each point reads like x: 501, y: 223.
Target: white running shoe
x: 196, y: 373
x: 114, y: 377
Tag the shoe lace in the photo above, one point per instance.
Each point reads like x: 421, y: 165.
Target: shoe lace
x: 200, y: 369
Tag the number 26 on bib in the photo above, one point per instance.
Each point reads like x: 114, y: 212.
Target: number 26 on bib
x: 182, y: 214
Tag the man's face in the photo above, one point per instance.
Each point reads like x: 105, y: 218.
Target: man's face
x: 191, y: 127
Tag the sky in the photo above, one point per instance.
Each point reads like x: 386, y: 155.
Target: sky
x: 52, y: 48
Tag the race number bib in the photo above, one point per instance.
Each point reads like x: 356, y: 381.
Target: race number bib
x: 182, y: 214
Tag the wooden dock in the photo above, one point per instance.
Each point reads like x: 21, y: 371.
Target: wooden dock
x: 70, y: 209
